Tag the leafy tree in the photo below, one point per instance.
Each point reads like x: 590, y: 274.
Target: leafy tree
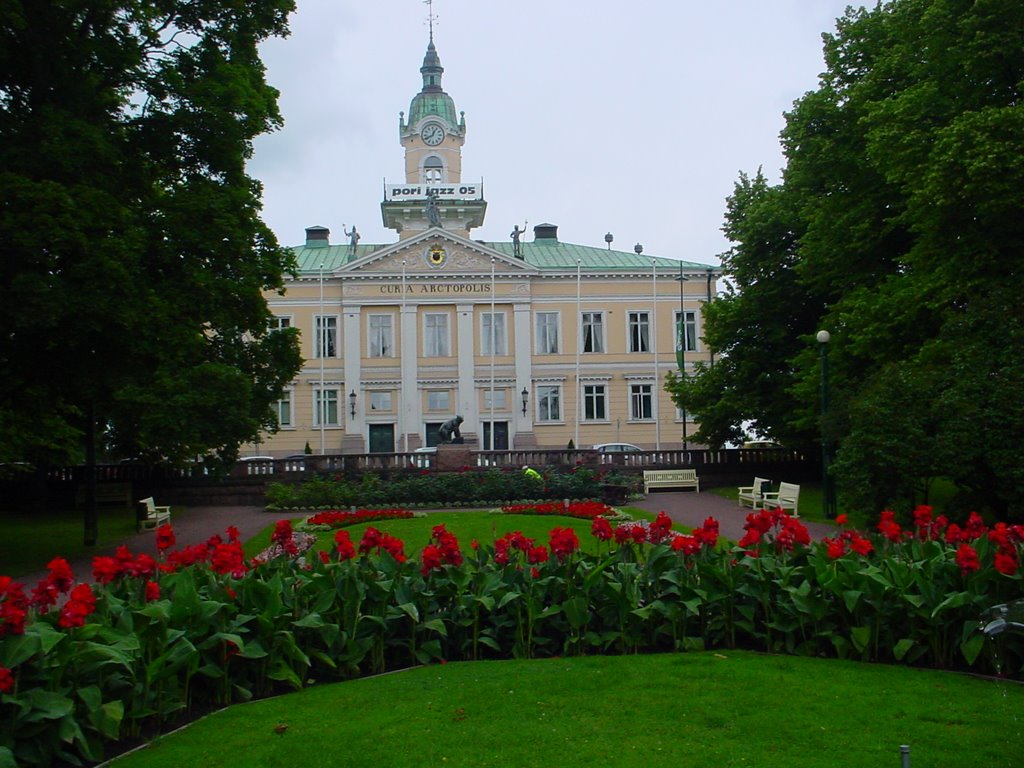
x: 133, y: 255
x: 903, y: 186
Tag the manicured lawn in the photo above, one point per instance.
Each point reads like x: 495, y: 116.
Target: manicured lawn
x: 28, y: 541
x: 466, y: 525
x: 693, y: 709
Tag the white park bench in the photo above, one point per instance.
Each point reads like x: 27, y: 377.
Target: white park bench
x: 671, y: 478
x: 149, y: 515
x: 751, y: 494
x: 785, y: 498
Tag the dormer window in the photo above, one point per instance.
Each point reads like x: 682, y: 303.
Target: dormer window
x: 433, y: 170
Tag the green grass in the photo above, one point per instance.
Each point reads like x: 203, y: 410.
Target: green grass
x: 29, y: 540
x: 693, y: 709
x: 466, y: 525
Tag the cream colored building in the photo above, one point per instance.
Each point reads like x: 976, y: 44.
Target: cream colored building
x: 534, y: 343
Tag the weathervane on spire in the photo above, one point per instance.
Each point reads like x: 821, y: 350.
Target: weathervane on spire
x: 430, y: 17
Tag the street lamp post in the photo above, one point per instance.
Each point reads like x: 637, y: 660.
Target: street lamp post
x: 828, y: 501
x: 681, y: 342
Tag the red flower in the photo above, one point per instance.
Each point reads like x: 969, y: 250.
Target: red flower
x: 105, y: 569
x: 165, y: 537
x: 228, y: 559
x: 233, y: 533
x: 142, y: 567
x: 836, y: 548
x: 537, y: 555
x: 80, y: 604
x: 688, y: 545
x: 660, y: 529
x: 60, y: 574
x: 707, y: 534
x: 6, y: 680
x: 975, y: 526
x: 601, y: 529
x: 430, y: 559
x: 284, y: 538
x: 842, y: 519
x: 343, y: 545
x: 1006, y: 562
x: 152, y: 591
x: 861, y: 545
x: 13, y: 607
x: 888, y: 526
x: 954, y: 535
x: 564, y: 542
x: 44, y: 594
x: 967, y: 559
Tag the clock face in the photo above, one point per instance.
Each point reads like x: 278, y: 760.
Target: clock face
x: 432, y: 134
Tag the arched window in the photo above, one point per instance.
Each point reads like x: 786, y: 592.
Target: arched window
x: 433, y: 170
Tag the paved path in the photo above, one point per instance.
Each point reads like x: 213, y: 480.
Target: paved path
x: 691, y: 509
x: 193, y: 525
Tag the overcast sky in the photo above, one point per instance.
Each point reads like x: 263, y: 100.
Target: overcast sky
x: 633, y: 118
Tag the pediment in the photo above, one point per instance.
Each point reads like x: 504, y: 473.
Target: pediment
x: 437, y: 252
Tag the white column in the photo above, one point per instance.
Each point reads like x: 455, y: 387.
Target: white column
x: 467, y: 395
x: 411, y: 415
x: 524, y: 368
x: 353, y: 350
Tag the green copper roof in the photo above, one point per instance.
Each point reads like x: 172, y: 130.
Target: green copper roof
x: 544, y: 255
x: 432, y: 100
x: 556, y: 255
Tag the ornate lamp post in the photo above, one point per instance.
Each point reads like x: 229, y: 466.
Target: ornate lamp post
x: 828, y: 500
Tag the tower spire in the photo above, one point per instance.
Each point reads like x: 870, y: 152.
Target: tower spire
x: 430, y: 17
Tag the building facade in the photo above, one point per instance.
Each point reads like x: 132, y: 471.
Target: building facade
x: 533, y: 342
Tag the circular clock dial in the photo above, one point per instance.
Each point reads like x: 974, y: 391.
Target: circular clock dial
x: 432, y: 134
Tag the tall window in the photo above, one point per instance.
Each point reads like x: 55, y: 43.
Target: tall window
x: 593, y: 332
x: 640, y: 402
x: 435, y: 335
x: 498, y: 395
x: 595, y: 402
x: 549, y: 403
x: 686, y: 323
x: 547, y: 333
x: 498, y: 321
x: 325, y: 408
x: 283, y: 409
x: 326, y: 336
x: 438, y: 400
x: 382, y: 336
x: 639, y: 332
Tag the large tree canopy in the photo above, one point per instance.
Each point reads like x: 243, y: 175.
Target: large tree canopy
x: 132, y: 255
x: 899, y: 227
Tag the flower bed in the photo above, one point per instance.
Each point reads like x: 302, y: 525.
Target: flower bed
x: 157, y: 639
x: 331, y: 519
x: 584, y: 510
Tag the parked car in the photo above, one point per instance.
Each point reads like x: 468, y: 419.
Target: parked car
x: 616, y: 448
x: 618, y: 453
x: 761, y: 444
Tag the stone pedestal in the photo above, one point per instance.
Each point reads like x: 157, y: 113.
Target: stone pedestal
x: 453, y: 456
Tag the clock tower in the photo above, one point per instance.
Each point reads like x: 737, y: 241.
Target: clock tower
x: 433, y: 193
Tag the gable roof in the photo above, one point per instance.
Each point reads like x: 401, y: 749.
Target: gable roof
x: 540, y: 255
